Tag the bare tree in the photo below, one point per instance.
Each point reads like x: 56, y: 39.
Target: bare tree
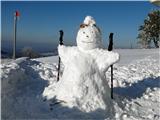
x: 29, y: 52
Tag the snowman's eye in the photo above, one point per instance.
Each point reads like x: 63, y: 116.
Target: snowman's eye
x: 83, y: 32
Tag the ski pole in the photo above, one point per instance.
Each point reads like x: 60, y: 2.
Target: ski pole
x: 110, y: 47
x: 59, y: 61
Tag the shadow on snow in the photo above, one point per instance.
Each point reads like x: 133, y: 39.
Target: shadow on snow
x: 136, y: 90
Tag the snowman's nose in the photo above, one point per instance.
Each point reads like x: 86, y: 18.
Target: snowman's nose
x: 87, y: 36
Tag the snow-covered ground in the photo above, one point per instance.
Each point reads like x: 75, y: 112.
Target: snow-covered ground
x: 27, y: 86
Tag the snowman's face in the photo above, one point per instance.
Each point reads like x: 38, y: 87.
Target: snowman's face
x: 89, y: 37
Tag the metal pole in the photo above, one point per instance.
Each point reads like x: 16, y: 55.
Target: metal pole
x: 15, y: 33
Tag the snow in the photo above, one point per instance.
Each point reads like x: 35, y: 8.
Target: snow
x: 86, y: 89
x: 89, y: 20
x: 89, y: 35
x: 136, y: 89
x: 130, y: 56
x: 51, y: 59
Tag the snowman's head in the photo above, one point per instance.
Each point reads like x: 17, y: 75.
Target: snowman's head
x: 89, y: 35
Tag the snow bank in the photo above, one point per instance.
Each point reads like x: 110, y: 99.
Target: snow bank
x: 136, y: 88
x: 22, y: 88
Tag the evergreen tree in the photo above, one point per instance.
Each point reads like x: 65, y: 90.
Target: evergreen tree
x: 143, y: 40
x: 150, y: 30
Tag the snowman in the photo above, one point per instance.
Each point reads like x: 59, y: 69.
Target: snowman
x: 83, y: 84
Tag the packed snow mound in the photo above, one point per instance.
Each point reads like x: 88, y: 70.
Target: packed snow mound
x: 83, y: 84
x: 89, y: 36
x: 89, y: 20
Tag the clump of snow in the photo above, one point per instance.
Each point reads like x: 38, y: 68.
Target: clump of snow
x: 89, y: 20
x: 89, y: 36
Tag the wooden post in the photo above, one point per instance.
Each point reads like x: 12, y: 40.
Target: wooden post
x: 59, y: 61
x: 110, y: 47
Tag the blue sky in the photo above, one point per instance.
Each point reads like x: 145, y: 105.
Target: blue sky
x: 40, y: 22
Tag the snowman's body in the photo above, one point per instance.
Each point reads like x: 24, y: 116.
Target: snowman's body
x: 83, y: 84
